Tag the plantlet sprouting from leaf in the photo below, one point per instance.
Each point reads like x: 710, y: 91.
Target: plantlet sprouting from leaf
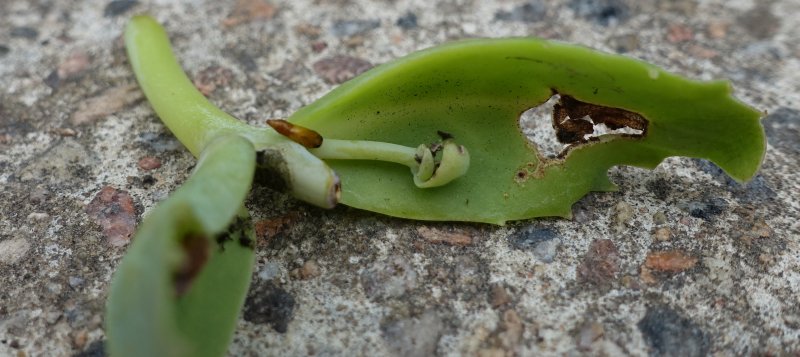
x: 180, y: 287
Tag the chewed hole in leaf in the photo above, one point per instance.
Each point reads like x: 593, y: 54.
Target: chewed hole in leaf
x: 535, y: 125
x: 574, y: 123
x: 196, y: 250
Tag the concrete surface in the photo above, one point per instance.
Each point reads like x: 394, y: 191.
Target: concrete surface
x: 681, y: 261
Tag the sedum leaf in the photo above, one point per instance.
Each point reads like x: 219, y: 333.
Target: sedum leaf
x: 182, y: 283
x: 476, y: 90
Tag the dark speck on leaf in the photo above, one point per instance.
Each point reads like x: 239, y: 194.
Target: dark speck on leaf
x: 118, y: 7
x: 28, y: 33
x: 268, y: 303
x: 670, y: 334
x: 408, y: 21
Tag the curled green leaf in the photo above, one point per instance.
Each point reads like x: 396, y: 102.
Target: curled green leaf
x: 477, y: 89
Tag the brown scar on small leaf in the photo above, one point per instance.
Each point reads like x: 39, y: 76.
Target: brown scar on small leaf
x: 195, y: 246
x: 303, y: 136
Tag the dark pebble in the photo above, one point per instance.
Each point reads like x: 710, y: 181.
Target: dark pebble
x: 670, y: 334
x: 270, y: 304
x: 528, y: 238
x: 707, y: 209
x: 118, y: 7
x: 28, y: 33
x: 408, y: 21
x: 529, y: 12
x: 95, y: 349
x: 603, y: 12
x: 53, y: 80
x: 148, y: 181
x: 346, y: 28
x: 4, y: 50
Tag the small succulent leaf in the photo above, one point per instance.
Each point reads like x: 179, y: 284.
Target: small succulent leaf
x: 476, y: 91
x: 179, y: 288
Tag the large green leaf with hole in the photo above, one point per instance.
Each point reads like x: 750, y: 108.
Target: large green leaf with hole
x: 476, y: 91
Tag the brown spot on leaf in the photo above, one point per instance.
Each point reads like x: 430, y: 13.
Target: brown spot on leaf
x: 436, y: 236
x: 196, y: 248
x: 600, y: 264
x: 249, y: 10
x: 113, y: 210
x: 340, y: 68
x: 106, y: 103
x: 671, y: 261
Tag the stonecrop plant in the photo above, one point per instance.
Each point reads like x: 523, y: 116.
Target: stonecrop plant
x: 431, y: 136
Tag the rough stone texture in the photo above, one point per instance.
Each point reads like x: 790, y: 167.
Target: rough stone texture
x: 379, y: 288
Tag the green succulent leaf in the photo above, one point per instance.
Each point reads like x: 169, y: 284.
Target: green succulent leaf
x: 182, y: 283
x: 476, y: 90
